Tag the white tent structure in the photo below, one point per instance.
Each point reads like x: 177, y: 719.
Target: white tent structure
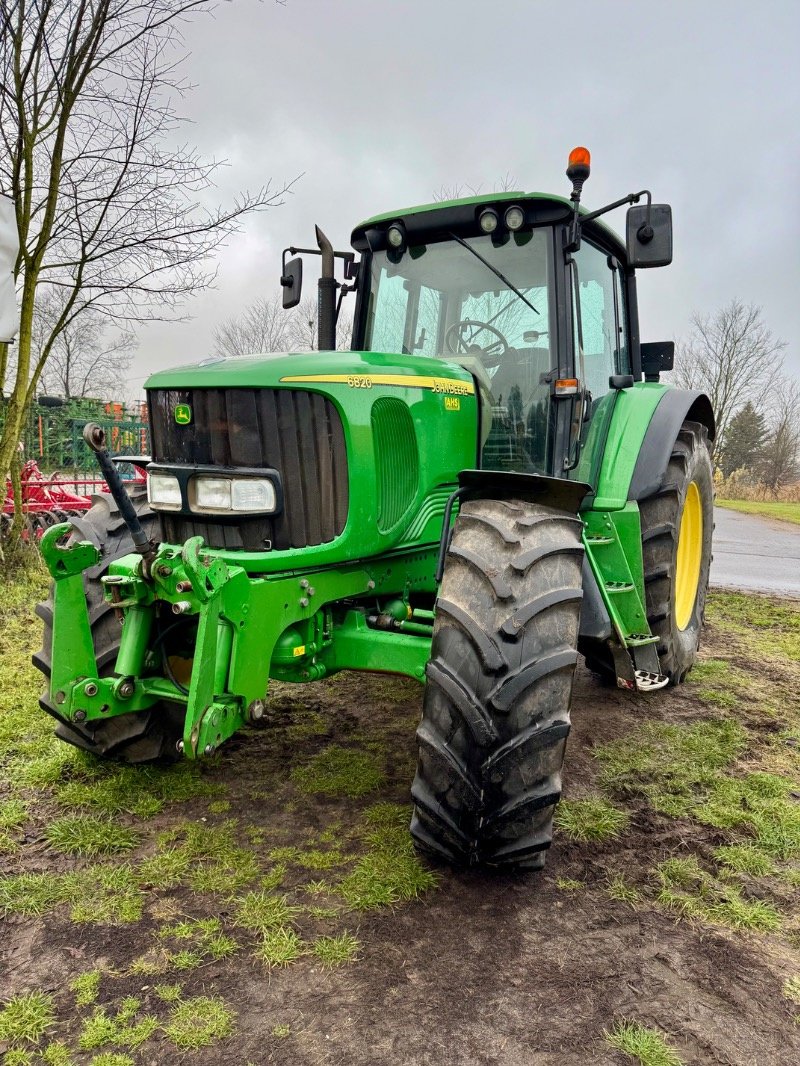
x: 9, y: 246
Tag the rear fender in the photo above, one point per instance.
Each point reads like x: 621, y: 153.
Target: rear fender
x: 676, y: 407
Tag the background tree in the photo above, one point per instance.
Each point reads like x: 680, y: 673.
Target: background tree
x: 261, y: 327
x: 111, y: 215
x: 85, y: 360
x: 264, y: 326
x: 303, y: 328
x: 744, y: 438
x: 780, y: 454
x: 734, y: 357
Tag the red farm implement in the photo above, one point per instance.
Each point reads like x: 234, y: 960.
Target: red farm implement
x: 48, y: 499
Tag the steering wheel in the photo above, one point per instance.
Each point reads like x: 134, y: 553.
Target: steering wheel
x: 457, y: 342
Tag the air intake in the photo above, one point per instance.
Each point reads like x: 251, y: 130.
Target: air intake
x: 396, y: 460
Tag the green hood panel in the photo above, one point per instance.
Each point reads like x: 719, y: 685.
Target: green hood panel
x: 272, y: 370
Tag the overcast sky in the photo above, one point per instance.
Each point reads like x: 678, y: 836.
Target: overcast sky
x: 380, y: 103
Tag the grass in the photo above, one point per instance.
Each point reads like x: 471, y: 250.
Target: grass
x: 336, y: 861
x: 206, y: 937
x: 569, y: 884
x: 169, y: 993
x: 786, y: 512
x: 682, y: 771
x: 335, y: 950
x: 647, y: 1046
x: 279, y: 946
x: 770, y: 628
x: 339, y: 771
x: 26, y: 1018
x: 97, y: 894
x: 56, y: 1054
x: 745, y: 859
x: 622, y: 891
x: 390, y: 872
x: 198, y: 1022
x: 89, y: 835
x: 86, y: 987
x: 791, y: 989
x: 591, y: 820
x: 261, y: 911
x: 693, y: 894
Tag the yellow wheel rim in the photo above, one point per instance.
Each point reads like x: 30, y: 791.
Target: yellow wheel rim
x: 690, y: 556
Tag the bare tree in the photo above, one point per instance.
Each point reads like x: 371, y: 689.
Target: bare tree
x: 262, y: 327
x: 734, y: 357
x: 302, y: 330
x: 84, y: 360
x: 507, y: 183
x: 303, y: 326
x: 780, y: 454
x: 111, y: 216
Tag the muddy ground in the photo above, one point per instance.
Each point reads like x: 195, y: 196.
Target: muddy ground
x: 482, y: 969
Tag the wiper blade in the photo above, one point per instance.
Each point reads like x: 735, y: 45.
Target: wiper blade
x: 495, y: 271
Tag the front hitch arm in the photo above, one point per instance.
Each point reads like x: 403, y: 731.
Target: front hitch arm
x: 95, y: 437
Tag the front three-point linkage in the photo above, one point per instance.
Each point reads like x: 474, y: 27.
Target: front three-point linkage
x: 184, y: 581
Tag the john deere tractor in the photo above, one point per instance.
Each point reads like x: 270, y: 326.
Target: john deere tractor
x: 492, y: 481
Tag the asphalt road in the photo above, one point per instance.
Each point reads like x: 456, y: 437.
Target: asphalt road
x: 756, y: 553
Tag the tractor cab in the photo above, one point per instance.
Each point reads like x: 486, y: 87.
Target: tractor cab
x: 535, y: 299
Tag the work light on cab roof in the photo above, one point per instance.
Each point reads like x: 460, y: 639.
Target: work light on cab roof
x: 490, y: 481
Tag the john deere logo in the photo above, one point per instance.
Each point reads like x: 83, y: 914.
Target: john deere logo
x: 183, y: 414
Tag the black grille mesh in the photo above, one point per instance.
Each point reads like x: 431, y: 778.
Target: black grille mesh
x: 297, y: 433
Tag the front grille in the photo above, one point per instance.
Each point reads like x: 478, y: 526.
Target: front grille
x: 297, y: 433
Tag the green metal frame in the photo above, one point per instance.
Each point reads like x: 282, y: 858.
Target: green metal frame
x: 245, y: 628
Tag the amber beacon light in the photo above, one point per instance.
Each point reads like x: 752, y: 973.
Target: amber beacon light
x: 579, y: 163
x: 578, y: 171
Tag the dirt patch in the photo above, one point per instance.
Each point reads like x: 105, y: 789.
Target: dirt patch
x: 480, y: 970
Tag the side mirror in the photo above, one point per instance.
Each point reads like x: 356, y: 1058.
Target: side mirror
x: 657, y: 356
x: 292, y: 282
x: 649, y: 235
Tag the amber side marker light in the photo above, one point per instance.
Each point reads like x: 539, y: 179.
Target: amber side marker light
x: 566, y: 387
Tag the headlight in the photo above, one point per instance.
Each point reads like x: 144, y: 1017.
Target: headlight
x: 210, y: 493
x: 488, y: 220
x: 217, y: 495
x: 163, y: 492
x: 252, y: 495
x: 515, y: 218
x: 396, y: 235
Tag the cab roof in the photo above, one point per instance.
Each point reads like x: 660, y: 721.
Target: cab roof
x: 435, y: 216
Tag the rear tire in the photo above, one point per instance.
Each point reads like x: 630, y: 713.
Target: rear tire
x: 662, y: 517
x: 142, y: 736
x: 495, y: 715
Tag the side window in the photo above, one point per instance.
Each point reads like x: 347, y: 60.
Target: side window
x: 429, y: 321
x: 387, y: 319
x: 605, y: 340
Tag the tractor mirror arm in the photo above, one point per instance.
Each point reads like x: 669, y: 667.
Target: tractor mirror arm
x: 632, y: 198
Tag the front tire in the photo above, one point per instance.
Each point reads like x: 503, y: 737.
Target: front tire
x: 142, y: 736
x: 495, y: 715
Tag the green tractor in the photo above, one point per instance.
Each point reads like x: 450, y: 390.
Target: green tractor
x: 492, y: 481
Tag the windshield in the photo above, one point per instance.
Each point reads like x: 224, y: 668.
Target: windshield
x: 444, y: 300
